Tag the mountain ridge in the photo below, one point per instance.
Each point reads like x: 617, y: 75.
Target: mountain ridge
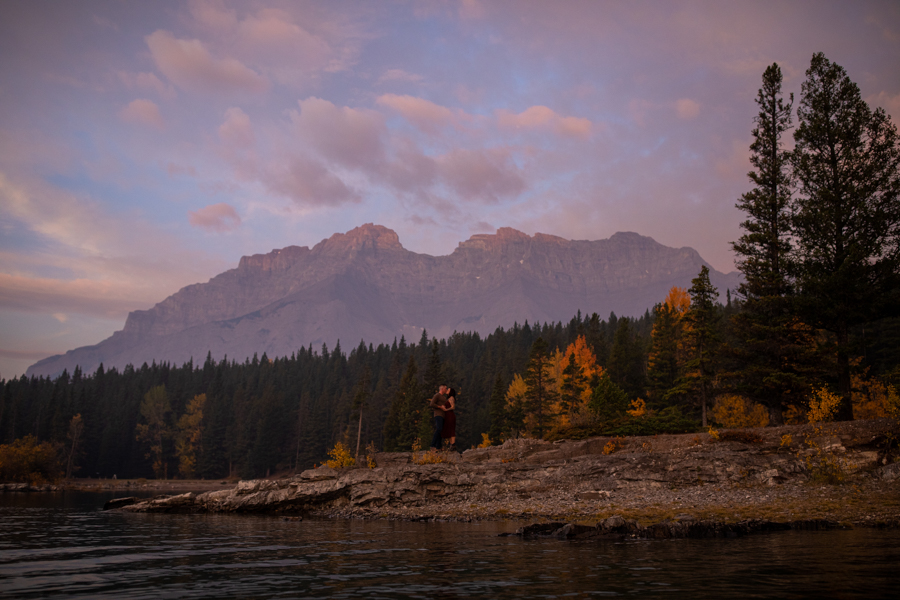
x: 363, y: 284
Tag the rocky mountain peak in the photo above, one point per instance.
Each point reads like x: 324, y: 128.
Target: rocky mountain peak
x: 365, y: 238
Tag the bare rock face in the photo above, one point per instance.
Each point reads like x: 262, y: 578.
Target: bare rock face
x: 364, y: 285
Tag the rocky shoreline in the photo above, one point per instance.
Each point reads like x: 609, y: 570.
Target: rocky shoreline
x: 691, y: 485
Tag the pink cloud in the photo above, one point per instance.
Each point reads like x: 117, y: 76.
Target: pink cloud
x: 425, y: 115
x: 309, y: 183
x: 541, y: 117
x: 82, y: 296
x: 148, y: 82
x: 687, y: 109
x: 220, y: 218
x: 399, y: 75
x: 190, y: 66
x: 481, y: 175
x: 143, y: 112
x: 213, y: 16
x: 237, y: 130
x: 271, y: 35
x: 348, y: 136
x: 890, y: 104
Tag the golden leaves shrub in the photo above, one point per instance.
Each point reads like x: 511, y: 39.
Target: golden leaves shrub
x: 28, y: 461
x: 638, y: 408
x: 735, y: 412
x: 823, y: 405
x: 340, y: 457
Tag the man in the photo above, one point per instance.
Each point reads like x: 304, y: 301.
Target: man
x: 437, y: 403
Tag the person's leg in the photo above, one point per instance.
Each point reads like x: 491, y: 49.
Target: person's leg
x: 436, y: 441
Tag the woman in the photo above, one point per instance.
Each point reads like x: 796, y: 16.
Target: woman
x: 449, y: 430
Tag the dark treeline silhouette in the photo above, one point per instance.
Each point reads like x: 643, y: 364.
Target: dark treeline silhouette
x: 266, y: 415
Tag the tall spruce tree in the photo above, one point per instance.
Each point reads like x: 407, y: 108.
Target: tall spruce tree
x: 540, y: 395
x: 498, y: 410
x: 774, y: 351
x: 847, y: 214
x: 702, y: 338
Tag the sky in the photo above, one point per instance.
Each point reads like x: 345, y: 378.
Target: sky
x: 146, y: 146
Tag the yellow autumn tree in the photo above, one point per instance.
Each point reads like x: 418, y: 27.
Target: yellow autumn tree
x: 871, y: 397
x: 515, y: 405
x: 187, y: 440
x: 572, y: 372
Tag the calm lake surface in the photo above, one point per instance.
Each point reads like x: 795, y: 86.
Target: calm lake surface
x: 64, y: 546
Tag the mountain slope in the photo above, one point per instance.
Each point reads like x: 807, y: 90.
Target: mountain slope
x: 364, y: 285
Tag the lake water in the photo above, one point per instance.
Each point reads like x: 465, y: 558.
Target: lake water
x: 64, y: 546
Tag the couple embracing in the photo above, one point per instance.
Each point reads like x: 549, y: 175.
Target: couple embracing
x: 444, y: 404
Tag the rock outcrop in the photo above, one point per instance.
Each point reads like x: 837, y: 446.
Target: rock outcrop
x: 678, y: 472
x: 364, y: 285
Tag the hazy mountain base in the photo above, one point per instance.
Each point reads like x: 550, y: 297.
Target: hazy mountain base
x: 686, y: 479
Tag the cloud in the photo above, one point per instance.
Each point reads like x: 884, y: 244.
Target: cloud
x: 351, y: 137
x: 309, y: 183
x: 107, y: 263
x: 399, y: 75
x: 143, y: 112
x: 148, y: 82
x: 425, y: 115
x: 541, y: 117
x: 471, y: 10
x: 23, y: 355
x: 106, y: 299
x: 220, y: 218
x: 213, y: 15
x: 687, y: 109
x: 481, y: 175
x: 236, y: 130
x: 189, y: 65
x: 890, y: 104
x: 271, y: 37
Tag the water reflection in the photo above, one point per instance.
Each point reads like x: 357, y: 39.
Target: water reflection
x: 63, y: 546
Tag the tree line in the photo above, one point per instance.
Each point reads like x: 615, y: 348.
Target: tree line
x: 818, y: 314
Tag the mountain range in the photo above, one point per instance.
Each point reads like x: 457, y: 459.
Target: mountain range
x: 364, y: 285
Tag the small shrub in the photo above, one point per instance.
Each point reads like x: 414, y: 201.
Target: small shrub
x: 734, y: 412
x: 485, y: 441
x: 431, y: 457
x: 713, y: 433
x: 825, y: 466
x: 612, y: 445
x: 786, y: 440
x: 823, y: 404
x: 340, y: 457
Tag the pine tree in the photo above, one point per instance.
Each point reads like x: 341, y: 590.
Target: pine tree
x: 702, y: 339
x: 774, y: 351
x: 666, y: 356
x: 360, y: 400
x: 498, y: 410
x: 847, y: 214
x: 401, y: 427
x: 540, y: 396
x: 626, y: 359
